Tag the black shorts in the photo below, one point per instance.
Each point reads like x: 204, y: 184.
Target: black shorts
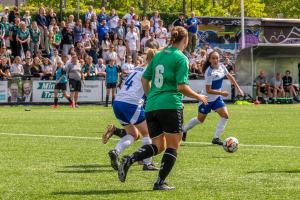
x: 75, y: 86
x: 111, y: 85
x: 61, y: 86
x: 167, y: 120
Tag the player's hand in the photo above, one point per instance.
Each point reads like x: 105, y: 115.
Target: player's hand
x: 203, y: 98
x: 224, y: 93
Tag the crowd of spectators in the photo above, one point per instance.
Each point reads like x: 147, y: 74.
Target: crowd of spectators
x: 32, y: 49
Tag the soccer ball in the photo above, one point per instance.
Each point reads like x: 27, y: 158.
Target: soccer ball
x: 231, y: 144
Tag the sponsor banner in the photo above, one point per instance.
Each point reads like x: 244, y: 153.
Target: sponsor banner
x: 199, y: 87
x: 3, y: 92
x: 19, y: 91
x: 43, y: 91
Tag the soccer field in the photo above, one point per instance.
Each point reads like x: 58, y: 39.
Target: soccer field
x: 58, y: 154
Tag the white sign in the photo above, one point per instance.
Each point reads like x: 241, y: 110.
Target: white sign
x: 43, y: 91
x: 3, y: 92
x: 199, y: 87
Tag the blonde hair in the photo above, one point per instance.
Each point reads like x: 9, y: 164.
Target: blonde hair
x: 178, y: 33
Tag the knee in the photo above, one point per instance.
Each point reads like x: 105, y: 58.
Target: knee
x: 201, y: 119
x: 225, y: 116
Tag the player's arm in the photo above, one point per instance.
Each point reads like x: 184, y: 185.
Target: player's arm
x: 146, y: 85
x: 209, y: 90
x: 233, y: 81
x: 187, y: 91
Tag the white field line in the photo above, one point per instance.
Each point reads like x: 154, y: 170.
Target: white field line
x: 98, y: 138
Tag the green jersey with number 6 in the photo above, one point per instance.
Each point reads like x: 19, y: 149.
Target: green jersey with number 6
x: 167, y: 69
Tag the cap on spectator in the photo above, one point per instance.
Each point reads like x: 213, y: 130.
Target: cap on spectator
x: 6, y: 8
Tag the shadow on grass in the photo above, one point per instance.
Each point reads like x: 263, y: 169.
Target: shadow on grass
x: 85, y: 171
x: 98, y: 192
x: 273, y: 171
x: 85, y: 166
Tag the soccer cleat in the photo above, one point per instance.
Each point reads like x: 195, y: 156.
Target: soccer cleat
x: 113, y: 155
x: 217, y: 141
x: 54, y: 106
x: 162, y: 186
x: 110, y: 129
x: 184, y: 136
x: 123, y: 168
x: 150, y: 167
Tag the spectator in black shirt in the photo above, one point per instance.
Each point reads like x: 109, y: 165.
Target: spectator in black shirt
x: 179, y: 21
x: 4, y: 69
x: 288, y: 83
x: 42, y: 24
x: 13, y: 14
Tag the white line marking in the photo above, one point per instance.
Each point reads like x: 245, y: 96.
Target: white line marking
x: 116, y: 139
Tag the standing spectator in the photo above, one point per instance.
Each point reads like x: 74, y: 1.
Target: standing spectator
x: 42, y: 24
x: 94, y: 23
x: 13, y: 38
x: 152, y: 42
x: 262, y: 85
x: 57, y: 37
x: 113, y: 20
x: 161, y: 34
x: 179, y: 21
x: 4, y: 69
x: 13, y: 14
x: 70, y: 22
x: 128, y: 17
x: 73, y: 71
x: 121, y: 52
x: 35, y: 36
x: 145, y: 25
x: 229, y: 66
x: 17, y: 70
x: 5, y: 12
x: 155, y: 18
x: 100, y: 69
x: 120, y: 30
x: 276, y: 84
x: 89, y: 13
x: 132, y: 43
x: 23, y: 38
x: 105, y: 47
x: 6, y: 26
x: 115, y: 40
x: 86, y: 42
x: 80, y: 51
x: 288, y: 84
x: 78, y: 31
x: 52, y: 24
x: 89, y: 71
x: 68, y: 39
x: 112, y: 77
x: 102, y: 15
x: 51, y: 17
x: 94, y: 48
x: 192, y: 27
x: 56, y: 57
x: 144, y: 40
x: 88, y: 29
x: 27, y: 18
x: 102, y: 30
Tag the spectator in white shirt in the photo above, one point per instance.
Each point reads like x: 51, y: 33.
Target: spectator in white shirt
x: 127, y: 68
x: 155, y: 18
x: 17, y: 69
x: 121, y: 51
x: 161, y: 34
x: 132, y: 43
x: 89, y: 13
x: 100, y: 69
x: 113, y: 20
x: 112, y: 54
x: 128, y: 16
x: 144, y: 40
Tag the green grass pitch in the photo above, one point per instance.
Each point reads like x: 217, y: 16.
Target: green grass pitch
x: 267, y: 166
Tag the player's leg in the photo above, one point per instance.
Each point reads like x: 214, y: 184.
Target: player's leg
x: 203, y: 110
x: 55, y: 98
x: 223, y: 113
x: 112, y: 130
x: 67, y: 96
x: 113, y: 94
x: 107, y: 96
x: 148, y: 165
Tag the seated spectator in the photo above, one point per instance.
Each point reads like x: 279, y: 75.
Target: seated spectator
x: 86, y: 42
x: 5, y: 54
x: 47, y: 69
x: 100, y: 69
x: 288, y: 84
x: 152, y: 42
x: 4, y: 69
x: 80, y: 51
x: 56, y: 57
x: 36, y: 69
x: 17, y: 70
x: 276, y: 84
x: 126, y: 68
x: 229, y: 66
x: 262, y: 85
x: 27, y: 68
x: 89, y: 70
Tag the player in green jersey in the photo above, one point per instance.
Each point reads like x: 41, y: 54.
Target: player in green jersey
x: 168, y: 74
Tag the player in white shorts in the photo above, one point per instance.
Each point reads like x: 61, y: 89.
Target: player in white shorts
x: 215, y: 72
x: 128, y: 109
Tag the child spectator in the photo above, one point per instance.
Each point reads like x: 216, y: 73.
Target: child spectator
x: 112, y: 77
x: 89, y: 71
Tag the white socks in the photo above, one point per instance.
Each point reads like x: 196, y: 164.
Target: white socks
x: 145, y: 141
x: 220, y: 127
x: 124, y: 142
x: 193, y: 122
